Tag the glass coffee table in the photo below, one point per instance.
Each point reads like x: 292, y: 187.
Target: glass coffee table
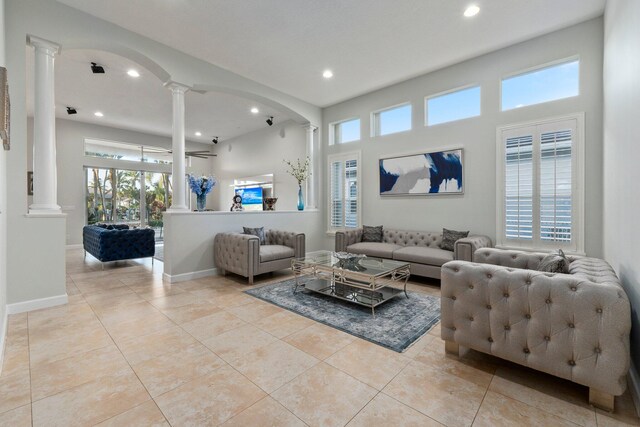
x: 366, y: 281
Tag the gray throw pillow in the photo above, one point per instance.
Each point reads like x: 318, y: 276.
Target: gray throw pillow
x: 259, y: 232
x: 371, y: 234
x: 450, y: 237
x: 555, y: 262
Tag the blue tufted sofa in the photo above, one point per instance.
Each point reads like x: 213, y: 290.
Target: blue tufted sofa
x: 118, y: 242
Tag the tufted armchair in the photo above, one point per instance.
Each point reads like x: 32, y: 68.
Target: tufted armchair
x: 119, y: 243
x: 575, y: 326
x: 244, y: 255
x: 420, y: 248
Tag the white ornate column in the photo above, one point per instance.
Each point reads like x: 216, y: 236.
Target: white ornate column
x: 45, y: 178
x: 311, y: 153
x: 178, y: 169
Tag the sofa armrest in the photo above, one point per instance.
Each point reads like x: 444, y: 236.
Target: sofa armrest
x: 238, y: 253
x: 347, y: 238
x: 292, y: 239
x: 557, y: 323
x: 464, y: 249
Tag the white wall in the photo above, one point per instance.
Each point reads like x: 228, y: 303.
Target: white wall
x: 258, y: 153
x: 70, y: 137
x: 622, y: 152
x: 476, y: 209
x: 3, y: 216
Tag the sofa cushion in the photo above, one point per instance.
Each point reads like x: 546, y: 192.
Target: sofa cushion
x: 275, y: 252
x: 450, y: 237
x: 555, y: 262
x: 372, y: 234
x: 423, y: 255
x: 380, y: 250
x: 258, y: 232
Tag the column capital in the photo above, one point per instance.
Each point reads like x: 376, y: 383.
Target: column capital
x: 176, y: 87
x: 309, y: 127
x: 48, y: 46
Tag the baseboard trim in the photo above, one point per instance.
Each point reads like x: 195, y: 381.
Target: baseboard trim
x: 634, y: 385
x: 36, y: 304
x: 189, y: 276
x: 3, y: 337
x: 75, y: 246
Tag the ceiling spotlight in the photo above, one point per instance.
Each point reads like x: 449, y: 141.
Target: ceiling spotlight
x: 71, y: 110
x: 198, y: 133
x: 215, y: 140
x: 327, y: 74
x: 255, y: 110
x: 98, y: 114
x: 133, y: 73
x: 472, y: 10
x: 97, y: 69
x: 270, y: 121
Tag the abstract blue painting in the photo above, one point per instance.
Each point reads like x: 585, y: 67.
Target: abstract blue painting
x: 440, y: 172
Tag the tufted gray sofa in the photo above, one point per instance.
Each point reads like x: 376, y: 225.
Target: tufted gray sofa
x: 420, y: 248
x: 244, y: 255
x: 575, y: 326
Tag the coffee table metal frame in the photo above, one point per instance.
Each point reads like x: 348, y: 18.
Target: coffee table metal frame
x: 362, y: 288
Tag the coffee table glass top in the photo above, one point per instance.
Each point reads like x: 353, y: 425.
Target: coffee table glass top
x: 367, y: 266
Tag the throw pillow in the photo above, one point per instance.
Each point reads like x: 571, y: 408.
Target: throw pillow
x: 259, y: 232
x: 555, y: 262
x: 450, y: 237
x: 372, y: 234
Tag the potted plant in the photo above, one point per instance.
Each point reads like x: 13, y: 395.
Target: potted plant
x: 301, y: 172
x: 201, y: 186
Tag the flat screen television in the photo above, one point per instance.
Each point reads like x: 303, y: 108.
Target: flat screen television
x: 250, y: 195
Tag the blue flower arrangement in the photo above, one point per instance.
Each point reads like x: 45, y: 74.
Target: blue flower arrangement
x: 202, y: 185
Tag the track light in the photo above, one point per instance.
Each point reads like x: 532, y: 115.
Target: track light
x: 215, y: 140
x: 71, y: 110
x: 270, y: 121
x: 97, y: 69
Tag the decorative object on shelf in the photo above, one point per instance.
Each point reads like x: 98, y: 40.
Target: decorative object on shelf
x: 5, y: 110
x: 271, y: 203
x: 237, y: 204
x: 301, y: 172
x: 349, y: 261
x: 30, y: 183
x: 201, y: 186
x: 439, y: 172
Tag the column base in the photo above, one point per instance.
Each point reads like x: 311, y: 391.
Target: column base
x: 42, y: 209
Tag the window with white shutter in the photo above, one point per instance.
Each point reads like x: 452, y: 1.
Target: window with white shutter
x: 541, y: 185
x: 344, y: 191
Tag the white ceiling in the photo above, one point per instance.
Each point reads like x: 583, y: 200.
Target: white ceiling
x: 286, y: 44
x: 143, y: 104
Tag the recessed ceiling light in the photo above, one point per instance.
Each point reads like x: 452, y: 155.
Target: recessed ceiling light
x: 255, y: 110
x: 327, y: 74
x: 472, y: 10
x: 133, y: 73
x: 198, y: 133
x: 98, y: 114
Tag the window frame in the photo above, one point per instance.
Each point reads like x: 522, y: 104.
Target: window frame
x: 344, y: 157
x: 375, y: 119
x: 533, y: 69
x: 577, y: 183
x: 333, y: 127
x: 447, y: 92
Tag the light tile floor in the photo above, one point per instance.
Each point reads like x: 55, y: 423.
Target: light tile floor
x: 130, y: 350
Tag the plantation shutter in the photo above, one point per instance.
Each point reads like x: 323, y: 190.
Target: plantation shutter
x: 556, y: 186
x: 343, y: 188
x: 519, y: 187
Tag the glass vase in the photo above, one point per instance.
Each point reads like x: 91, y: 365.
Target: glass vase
x: 201, y: 202
x: 300, y: 199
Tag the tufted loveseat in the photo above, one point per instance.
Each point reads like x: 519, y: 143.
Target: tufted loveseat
x: 575, y: 326
x: 244, y: 255
x: 118, y: 243
x: 420, y: 248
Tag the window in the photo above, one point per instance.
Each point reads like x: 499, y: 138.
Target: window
x: 344, y: 131
x: 344, y: 191
x: 391, y: 120
x: 542, y: 85
x: 123, y: 151
x: 453, y: 105
x: 540, y: 183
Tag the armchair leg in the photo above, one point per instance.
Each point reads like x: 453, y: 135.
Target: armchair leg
x: 601, y: 400
x: 452, y: 348
x: 251, y: 280
x: 222, y: 271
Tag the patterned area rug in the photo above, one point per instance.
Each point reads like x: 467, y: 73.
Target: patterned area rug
x: 398, y: 323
